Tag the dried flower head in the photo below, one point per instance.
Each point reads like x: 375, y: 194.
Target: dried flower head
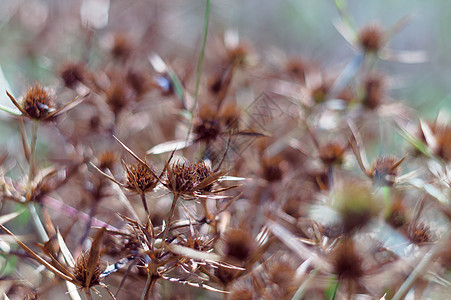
x: 271, y: 169
x: 38, y: 102
x: 346, y: 261
x: 207, y: 127
x: 356, y: 205
x: 397, y: 216
x: 374, y: 91
x: 72, y: 74
x: 107, y: 160
x: 81, y: 272
x: 332, y: 153
x: 189, y: 179
x: 420, y: 234
x: 385, y: 170
x: 118, y: 96
x: 140, y: 178
x: 371, y: 38
x: 122, y: 47
x: 239, y: 244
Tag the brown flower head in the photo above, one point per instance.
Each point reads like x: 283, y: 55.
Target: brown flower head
x: 190, y: 179
x: 371, y: 38
x: 239, y: 244
x: 207, y: 127
x: 271, y: 168
x: 355, y: 204
x: 332, y: 153
x: 140, y: 178
x: 107, y: 160
x: 420, y: 234
x: 38, y: 103
x: 346, y: 261
x: 374, y: 87
x: 72, y: 74
x: 385, y: 170
x: 122, y: 47
x: 81, y: 271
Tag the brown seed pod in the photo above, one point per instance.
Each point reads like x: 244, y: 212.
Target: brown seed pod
x: 385, y: 170
x: 189, y: 178
x: 271, y: 168
x: 332, y: 153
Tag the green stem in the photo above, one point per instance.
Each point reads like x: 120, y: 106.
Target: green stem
x: 200, y: 63
x: 37, y: 222
x: 34, y: 136
x: 202, y: 54
x: 28, y: 194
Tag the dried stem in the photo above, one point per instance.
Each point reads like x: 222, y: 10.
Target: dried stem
x: 143, y: 198
x: 170, y: 216
x: 151, y: 279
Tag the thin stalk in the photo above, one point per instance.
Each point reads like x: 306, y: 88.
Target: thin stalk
x: 34, y: 136
x: 31, y: 208
x: 202, y: 54
x: 146, y: 208
x: 149, y: 286
x: 200, y: 63
x: 171, y: 215
x: 37, y: 222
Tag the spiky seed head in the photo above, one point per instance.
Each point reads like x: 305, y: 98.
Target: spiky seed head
x: 122, y: 47
x: 38, y: 102
x: 207, y: 127
x: 420, y: 234
x: 81, y: 271
x: 385, y: 171
x: 187, y: 176
x: 118, y: 96
x: 229, y: 116
x: 140, y: 178
x: 371, y: 38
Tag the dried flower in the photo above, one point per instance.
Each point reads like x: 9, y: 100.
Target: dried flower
x: 81, y: 273
x: 239, y: 244
x: 38, y: 104
x: 346, y: 261
x: 374, y: 91
x: 72, y: 74
x: 140, y: 178
x: 371, y: 38
x: 190, y: 179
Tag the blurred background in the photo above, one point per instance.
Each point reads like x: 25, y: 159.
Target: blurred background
x: 37, y: 35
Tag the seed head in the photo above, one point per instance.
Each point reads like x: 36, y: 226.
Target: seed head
x: 207, y: 127
x: 346, y: 261
x: 420, y: 234
x: 371, y: 38
x: 186, y: 177
x: 72, y: 74
x: 81, y: 271
x: 385, y: 170
x: 271, y: 169
x: 38, y: 102
x: 332, y: 154
x: 140, y: 178
x: 374, y: 91
x: 355, y: 204
x: 107, y: 160
x: 239, y: 244
x: 122, y: 47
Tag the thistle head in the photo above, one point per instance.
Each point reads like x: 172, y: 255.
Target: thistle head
x: 38, y: 102
x: 140, y: 178
x: 81, y: 272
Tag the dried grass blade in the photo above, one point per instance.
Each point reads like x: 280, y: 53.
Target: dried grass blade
x: 37, y: 257
x: 94, y: 255
x: 64, y: 250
